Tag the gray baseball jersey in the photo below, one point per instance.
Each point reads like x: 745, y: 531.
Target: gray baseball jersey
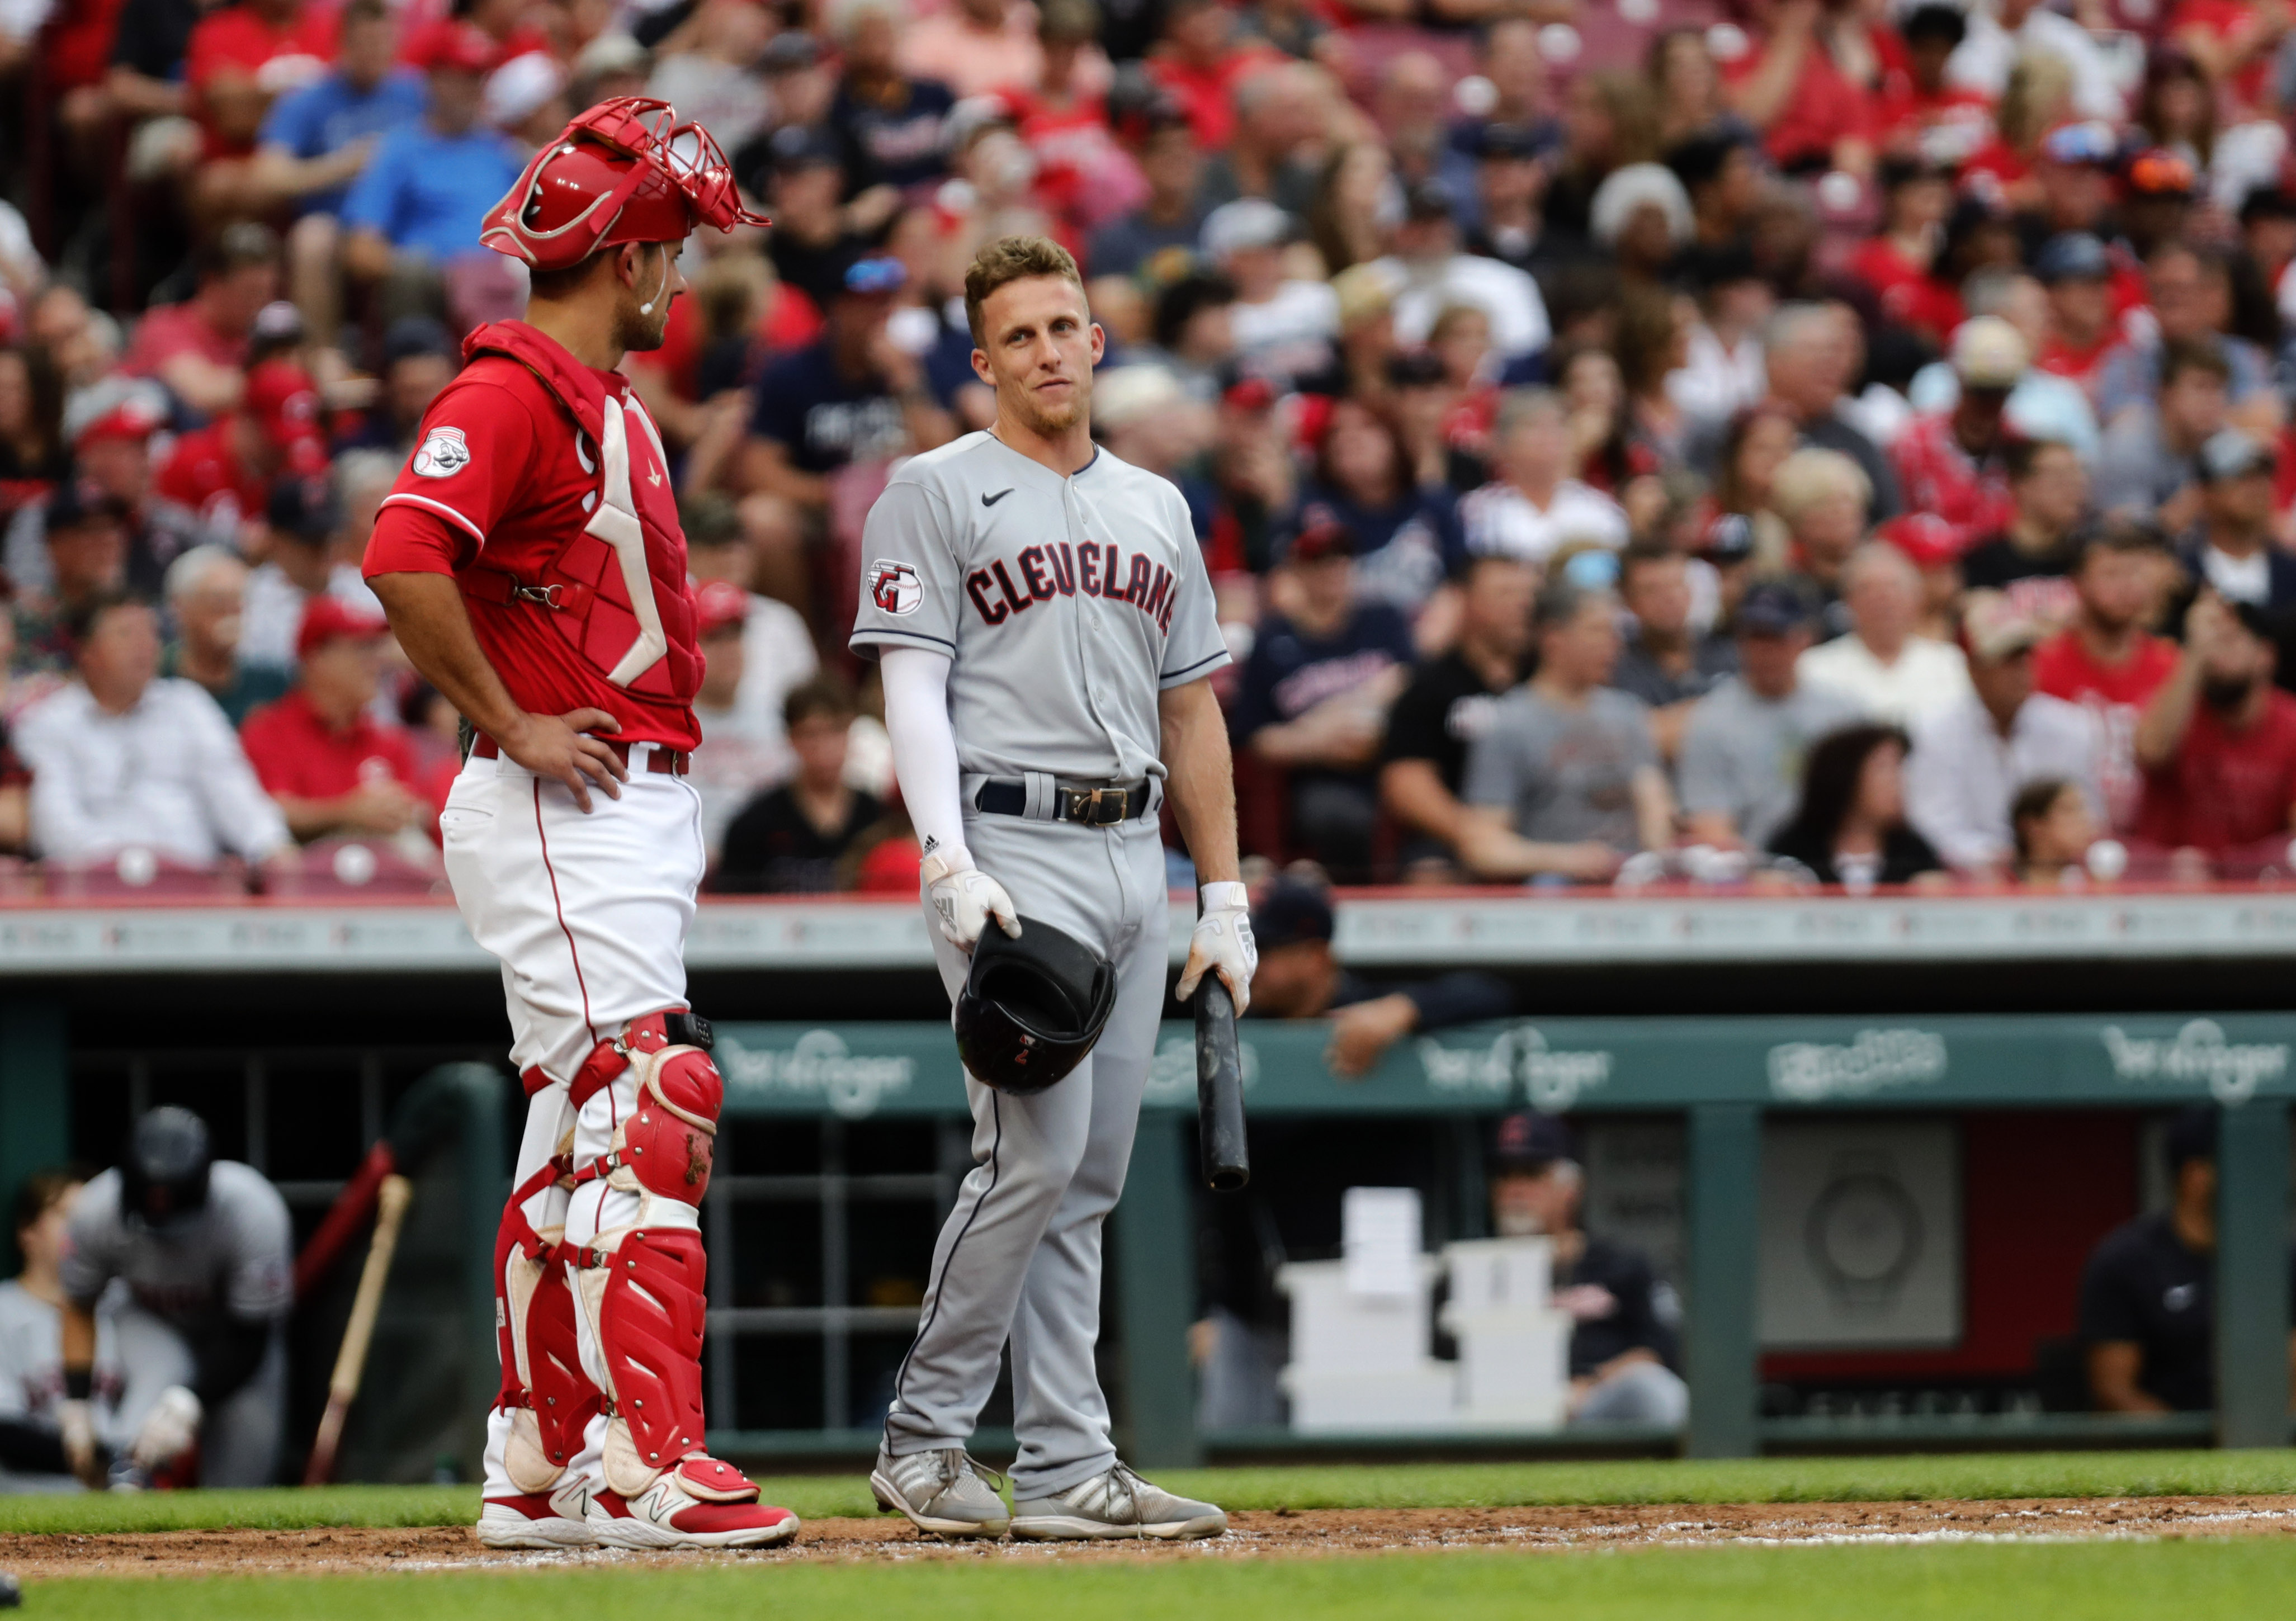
x: 1066, y: 604
x: 234, y: 1258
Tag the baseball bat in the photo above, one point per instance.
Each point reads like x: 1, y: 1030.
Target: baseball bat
x: 350, y: 1361
x: 1220, y: 1089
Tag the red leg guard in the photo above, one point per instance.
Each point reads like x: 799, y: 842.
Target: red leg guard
x: 669, y: 1142
x: 534, y: 1333
x: 650, y: 1318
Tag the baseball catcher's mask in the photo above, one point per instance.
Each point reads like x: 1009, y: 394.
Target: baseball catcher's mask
x: 1031, y: 1008
x: 624, y: 171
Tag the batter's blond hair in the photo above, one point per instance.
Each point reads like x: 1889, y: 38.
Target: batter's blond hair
x: 1009, y: 260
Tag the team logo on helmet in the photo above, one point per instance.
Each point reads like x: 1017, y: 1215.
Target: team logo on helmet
x: 894, y: 587
x: 443, y: 454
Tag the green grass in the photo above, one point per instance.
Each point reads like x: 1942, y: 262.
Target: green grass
x: 1973, y: 1475
x: 2142, y: 1582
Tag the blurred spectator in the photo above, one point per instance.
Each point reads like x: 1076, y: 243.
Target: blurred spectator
x: 892, y: 127
x: 199, y: 347
x: 815, y: 237
x: 419, y: 359
x: 707, y: 68
x: 303, y: 515
x: 1641, y: 215
x: 2232, y: 549
x: 206, y: 598
x: 315, y: 140
x: 1273, y: 150
x: 1811, y: 353
x: 32, y: 1339
x: 1282, y: 325
x: 855, y: 394
x: 1625, y: 1319
x: 1299, y: 977
x: 2148, y: 1305
x: 1825, y: 502
x: 124, y: 756
x: 1158, y: 238
x: 1532, y: 507
x: 2076, y: 270
x: 1850, y: 827
x: 733, y: 762
x: 1450, y: 702
x: 1194, y: 337
x: 239, y: 60
x: 1970, y: 758
x: 1667, y: 663
x: 1933, y: 547
x: 86, y: 536
x: 225, y: 474
x: 1510, y: 185
x: 777, y: 650
x: 1900, y: 677
x: 33, y: 454
x: 416, y: 208
x: 2105, y: 659
x: 2053, y: 825
x: 790, y: 840
x: 2218, y: 746
x: 1744, y: 743
x: 1348, y: 205
x: 2145, y: 469
x: 2191, y: 293
x: 319, y: 752
x: 1363, y: 480
x: 1315, y: 695
x: 1949, y: 465
x: 1199, y: 61
x: 1723, y: 372
x: 203, y: 1250
x: 2032, y: 557
x: 111, y: 425
x: 1429, y: 274
x: 1998, y: 35
x: 1565, y: 779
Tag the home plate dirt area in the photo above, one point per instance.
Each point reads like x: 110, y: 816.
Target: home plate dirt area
x: 1273, y: 1533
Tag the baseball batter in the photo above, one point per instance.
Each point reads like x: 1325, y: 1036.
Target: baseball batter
x: 531, y: 562
x: 1046, y: 627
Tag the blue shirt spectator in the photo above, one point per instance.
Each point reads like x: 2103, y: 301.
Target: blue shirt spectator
x: 431, y: 183
x: 315, y: 141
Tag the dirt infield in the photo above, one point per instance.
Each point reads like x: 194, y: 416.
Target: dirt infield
x: 1250, y: 1534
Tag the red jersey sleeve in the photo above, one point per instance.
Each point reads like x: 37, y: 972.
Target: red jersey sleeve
x: 480, y: 441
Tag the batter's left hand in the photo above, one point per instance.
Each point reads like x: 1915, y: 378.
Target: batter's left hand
x: 1223, y: 943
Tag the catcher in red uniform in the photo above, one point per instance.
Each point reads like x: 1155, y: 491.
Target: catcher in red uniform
x: 531, y: 562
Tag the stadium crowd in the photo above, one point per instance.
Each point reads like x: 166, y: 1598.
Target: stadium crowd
x: 1787, y: 443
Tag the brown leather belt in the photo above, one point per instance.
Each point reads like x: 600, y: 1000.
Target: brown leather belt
x: 660, y: 761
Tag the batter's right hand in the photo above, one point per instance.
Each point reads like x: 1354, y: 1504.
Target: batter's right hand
x: 558, y: 747
x: 966, y: 898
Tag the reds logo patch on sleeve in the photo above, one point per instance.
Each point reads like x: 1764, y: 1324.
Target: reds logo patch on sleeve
x: 443, y: 454
x: 894, y: 587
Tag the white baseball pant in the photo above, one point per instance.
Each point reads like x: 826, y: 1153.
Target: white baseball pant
x: 588, y: 913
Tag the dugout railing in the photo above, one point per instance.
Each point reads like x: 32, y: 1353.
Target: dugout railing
x: 278, y: 1019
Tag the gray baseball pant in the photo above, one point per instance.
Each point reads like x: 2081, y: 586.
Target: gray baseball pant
x: 1020, y: 1254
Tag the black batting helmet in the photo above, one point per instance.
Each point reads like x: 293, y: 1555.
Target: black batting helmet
x: 164, y: 1174
x: 1031, y: 1007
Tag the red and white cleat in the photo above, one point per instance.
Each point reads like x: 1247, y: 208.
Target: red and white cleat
x: 538, y: 1519
x: 701, y: 1503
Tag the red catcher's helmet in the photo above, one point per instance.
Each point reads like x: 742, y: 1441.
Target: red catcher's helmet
x: 625, y: 171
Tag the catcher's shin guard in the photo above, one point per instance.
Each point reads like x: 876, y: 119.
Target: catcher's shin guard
x: 549, y: 1397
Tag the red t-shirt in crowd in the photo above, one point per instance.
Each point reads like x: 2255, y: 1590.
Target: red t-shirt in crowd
x: 2224, y: 789
x: 1936, y: 475
x: 294, y: 752
x: 279, y: 60
x: 499, y: 480
x: 1825, y: 105
x: 1207, y: 93
x: 2219, y: 18
x: 202, y: 476
x: 2115, y: 694
x: 180, y: 328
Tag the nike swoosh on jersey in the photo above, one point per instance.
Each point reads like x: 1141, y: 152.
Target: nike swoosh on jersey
x: 989, y: 500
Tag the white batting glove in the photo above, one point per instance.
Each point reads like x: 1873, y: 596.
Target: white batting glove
x: 966, y: 898
x: 169, y: 1430
x: 1223, y: 943
x: 76, y: 1421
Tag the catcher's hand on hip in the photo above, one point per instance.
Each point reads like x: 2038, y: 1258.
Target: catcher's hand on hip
x: 966, y: 898
x: 1223, y: 943
x: 168, y: 1431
